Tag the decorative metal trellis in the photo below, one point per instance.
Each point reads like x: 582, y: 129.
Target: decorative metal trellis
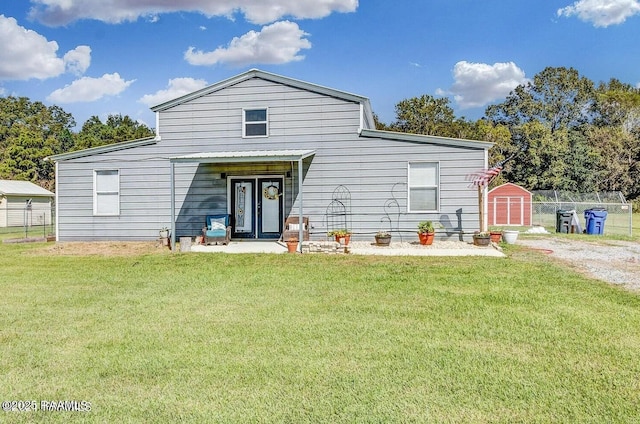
x: 338, y: 213
x: 392, y: 213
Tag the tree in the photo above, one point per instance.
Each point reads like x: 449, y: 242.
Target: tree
x: 29, y: 132
x: 557, y: 97
x: 117, y: 128
x: 430, y: 116
x: 546, y: 118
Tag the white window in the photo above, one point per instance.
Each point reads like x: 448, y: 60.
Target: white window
x: 424, y: 186
x: 255, y: 123
x: 106, y: 192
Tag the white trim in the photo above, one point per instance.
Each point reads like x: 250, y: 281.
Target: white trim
x: 95, y: 192
x: 157, y: 125
x: 245, y: 123
x: 437, y: 187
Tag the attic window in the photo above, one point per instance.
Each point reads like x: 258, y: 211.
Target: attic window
x: 255, y: 123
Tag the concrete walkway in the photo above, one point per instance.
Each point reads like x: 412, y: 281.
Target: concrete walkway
x: 243, y: 247
x: 439, y: 248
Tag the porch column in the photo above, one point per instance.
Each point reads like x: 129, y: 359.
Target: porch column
x: 173, y: 206
x: 300, y: 212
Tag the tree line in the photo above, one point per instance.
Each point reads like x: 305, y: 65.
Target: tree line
x: 558, y: 131
x: 31, y: 131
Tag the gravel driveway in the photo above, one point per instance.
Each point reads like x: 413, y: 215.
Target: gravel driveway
x: 614, y: 261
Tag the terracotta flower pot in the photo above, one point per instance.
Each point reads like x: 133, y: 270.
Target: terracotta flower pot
x: 496, y: 236
x: 345, y: 238
x: 426, y: 239
x: 292, y: 246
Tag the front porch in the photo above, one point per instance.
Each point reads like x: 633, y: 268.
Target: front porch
x: 257, y: 189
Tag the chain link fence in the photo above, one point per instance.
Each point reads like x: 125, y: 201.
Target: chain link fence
x: 546, y: 205
x: 30, y: 220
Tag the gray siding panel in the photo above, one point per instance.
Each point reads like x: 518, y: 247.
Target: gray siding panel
x: 374, y: 170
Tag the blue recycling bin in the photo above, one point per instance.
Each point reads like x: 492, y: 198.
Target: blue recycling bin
x: 595, y: 220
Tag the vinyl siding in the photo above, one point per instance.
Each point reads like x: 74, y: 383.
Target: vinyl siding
x: 298, y: 119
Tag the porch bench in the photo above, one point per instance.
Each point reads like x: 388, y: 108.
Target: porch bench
x: 292, y: 228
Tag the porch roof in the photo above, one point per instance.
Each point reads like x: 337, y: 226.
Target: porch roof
x: 245, y: 156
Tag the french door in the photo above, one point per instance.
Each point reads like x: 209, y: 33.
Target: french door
x: 257, y: 207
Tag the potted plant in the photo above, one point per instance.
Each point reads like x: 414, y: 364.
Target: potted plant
x: 482, y: 238
x: 292, y: 245
x: 383, y: 238
x: 164, y: 236
x: 496, y: 235
x: 426, y: 232
x: 342, y: 236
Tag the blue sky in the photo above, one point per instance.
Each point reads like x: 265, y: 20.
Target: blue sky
x: 101, y: 57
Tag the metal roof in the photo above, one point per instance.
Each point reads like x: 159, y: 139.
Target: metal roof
x: 114, y: 147
x: 425, y: 139
x: 245, y: 156
x: 23, y: 188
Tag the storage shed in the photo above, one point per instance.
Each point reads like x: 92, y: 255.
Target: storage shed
x: 509, y: 204
x: 22, y: 202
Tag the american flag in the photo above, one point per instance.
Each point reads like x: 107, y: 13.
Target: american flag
x: 484, y: 177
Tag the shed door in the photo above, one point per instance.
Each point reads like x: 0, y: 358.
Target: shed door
x: 508, y: 210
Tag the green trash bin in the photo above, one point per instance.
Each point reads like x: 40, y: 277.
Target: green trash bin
x: 563, y: 221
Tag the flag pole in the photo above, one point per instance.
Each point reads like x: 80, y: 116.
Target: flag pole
x: 481, y: 207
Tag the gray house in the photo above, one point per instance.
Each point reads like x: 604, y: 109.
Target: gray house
x: 262, y: 148
x: 23, y: 203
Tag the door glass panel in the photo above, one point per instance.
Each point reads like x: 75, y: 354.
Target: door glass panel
x: 243, y: 206
x: 271, y: 192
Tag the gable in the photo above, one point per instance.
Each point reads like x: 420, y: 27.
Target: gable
x: 244, y: 80
x: 509, y: 189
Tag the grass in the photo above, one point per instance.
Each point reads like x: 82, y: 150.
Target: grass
x: 289, y: 338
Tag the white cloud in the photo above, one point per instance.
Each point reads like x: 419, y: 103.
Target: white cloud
x: 62, y: 12
x: 602, y: 12
x: 274, y: 44
x: 25, y: 54
x: 78, y: 60
x: 177, y: 87
x: 88, y: 89
x: 477, y: 84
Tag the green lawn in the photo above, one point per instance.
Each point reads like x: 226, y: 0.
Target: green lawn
x: 288, y: 338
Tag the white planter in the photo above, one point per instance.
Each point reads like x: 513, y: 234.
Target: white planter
x: 510, y: 236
